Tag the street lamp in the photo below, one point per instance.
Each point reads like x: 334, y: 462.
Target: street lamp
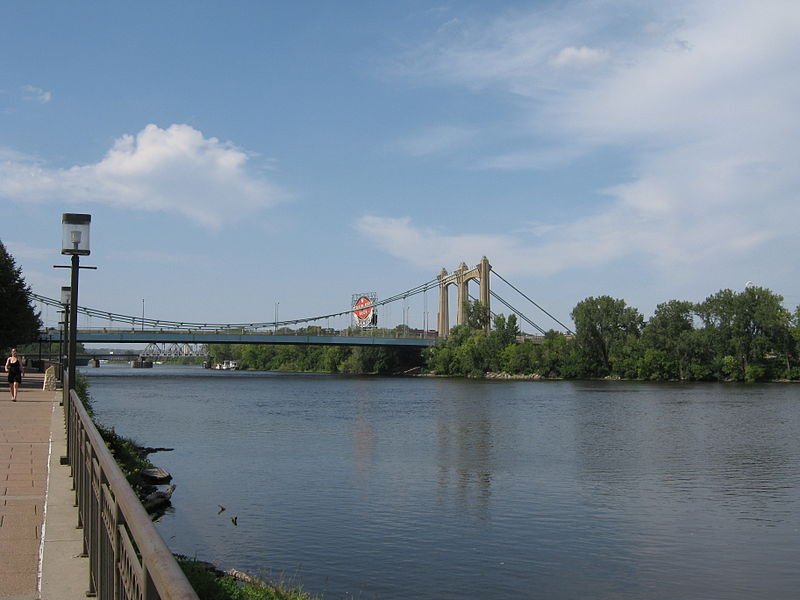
x: 66, y: 299
x: 74, y: 242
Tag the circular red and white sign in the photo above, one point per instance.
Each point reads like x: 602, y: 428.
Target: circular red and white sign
x: 360, y: 312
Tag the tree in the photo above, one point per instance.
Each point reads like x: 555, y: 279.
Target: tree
x: 602, y: 327
x: 477, y: 315
x: 518, y: 358
x: 505, y: 330
x: 555, y: 356
x: 20, y: 323
x: 667, y: 341
x: 752, y: 327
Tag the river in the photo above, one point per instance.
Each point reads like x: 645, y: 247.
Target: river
x: 431, y: 488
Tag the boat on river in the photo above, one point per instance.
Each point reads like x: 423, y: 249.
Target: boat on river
x: 227, y: 365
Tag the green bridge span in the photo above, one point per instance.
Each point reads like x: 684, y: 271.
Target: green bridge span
x: 211, y: 337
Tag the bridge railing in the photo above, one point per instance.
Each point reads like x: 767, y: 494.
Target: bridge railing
x: 128, y: 559
x: 55, y: 336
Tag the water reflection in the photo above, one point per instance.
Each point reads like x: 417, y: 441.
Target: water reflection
x: 666, y: 442
x: 363, y: 433
x: 678, y: 467
x: 464, y: 456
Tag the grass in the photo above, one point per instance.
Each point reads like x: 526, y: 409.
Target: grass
x: 130, y: 457
x: 209, y: 584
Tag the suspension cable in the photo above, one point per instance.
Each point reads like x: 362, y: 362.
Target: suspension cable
x: 532, y: 302
x: 169, y: 324
x: 162, y: 323
x: 517, y: 312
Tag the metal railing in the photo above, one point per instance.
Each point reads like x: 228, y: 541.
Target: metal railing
x: 128, y: 559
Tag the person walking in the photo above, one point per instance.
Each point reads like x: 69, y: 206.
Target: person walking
x: 15, y: 370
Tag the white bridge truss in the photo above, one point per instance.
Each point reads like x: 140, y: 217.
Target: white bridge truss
x: 174, y: 350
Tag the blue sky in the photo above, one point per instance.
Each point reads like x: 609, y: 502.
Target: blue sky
x: 234, y: 155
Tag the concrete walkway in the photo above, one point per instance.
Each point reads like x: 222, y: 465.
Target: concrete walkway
x: 40, y: 545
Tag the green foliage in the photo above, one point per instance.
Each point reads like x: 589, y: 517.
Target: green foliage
x: 625, y: 360
x: 602, y: 329
x: 671, y: 330
x: 20, y: 323
x: 311, y: 358
x: 206, y: 584
x: 477, y: 315
x: 557, y: 356
x: 747, y: 336
x: 505, y: 331
x: 519, y: 358
x: 130, y: 457
x: 729, y: 368
x: 210, y: 585
x: 754, y: 373
x: 82, y: 390
x: 750, y: 327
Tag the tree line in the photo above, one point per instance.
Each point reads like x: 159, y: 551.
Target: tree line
x: 351, y: 360
x: 730, y: 336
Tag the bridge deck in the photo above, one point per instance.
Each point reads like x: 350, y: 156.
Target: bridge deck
x: 206, y: 337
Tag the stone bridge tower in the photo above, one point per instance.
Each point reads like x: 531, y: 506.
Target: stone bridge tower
x: 461, y: 278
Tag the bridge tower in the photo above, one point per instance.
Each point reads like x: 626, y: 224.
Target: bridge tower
x: 461, y: 278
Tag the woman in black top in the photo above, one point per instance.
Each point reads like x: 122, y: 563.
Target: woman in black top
x: 15, y: 371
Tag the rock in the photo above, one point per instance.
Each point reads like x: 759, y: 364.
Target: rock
x: 155, y: 476
x: 49, y: 379
x: 158, y: 500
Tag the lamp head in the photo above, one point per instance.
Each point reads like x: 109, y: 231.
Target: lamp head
x: 75, y: 234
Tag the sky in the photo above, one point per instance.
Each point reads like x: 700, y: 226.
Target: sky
x: 245, y: 158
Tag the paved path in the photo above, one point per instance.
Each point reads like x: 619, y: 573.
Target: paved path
x: 39, y: 542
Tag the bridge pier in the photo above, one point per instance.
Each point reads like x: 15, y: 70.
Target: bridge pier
x: 461, y: 278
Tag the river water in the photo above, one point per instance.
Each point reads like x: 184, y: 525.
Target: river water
x: 431, y: 488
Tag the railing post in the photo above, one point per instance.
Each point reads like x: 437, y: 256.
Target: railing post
x: 119, y: 520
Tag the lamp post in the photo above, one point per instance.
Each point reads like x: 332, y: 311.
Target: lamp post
x: 66, y: 300
x: 75, y: 243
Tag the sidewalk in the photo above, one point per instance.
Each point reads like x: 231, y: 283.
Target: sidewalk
x: 36, y: 500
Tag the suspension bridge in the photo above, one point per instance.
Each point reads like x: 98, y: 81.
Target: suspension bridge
x: 168, y: 338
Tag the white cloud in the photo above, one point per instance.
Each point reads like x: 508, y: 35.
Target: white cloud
x: 701, y: 96
x: 515, y: 52
x: 36, y: 94
x: 174, y: 170
x: 431, y: 249
x: 572, y: 57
